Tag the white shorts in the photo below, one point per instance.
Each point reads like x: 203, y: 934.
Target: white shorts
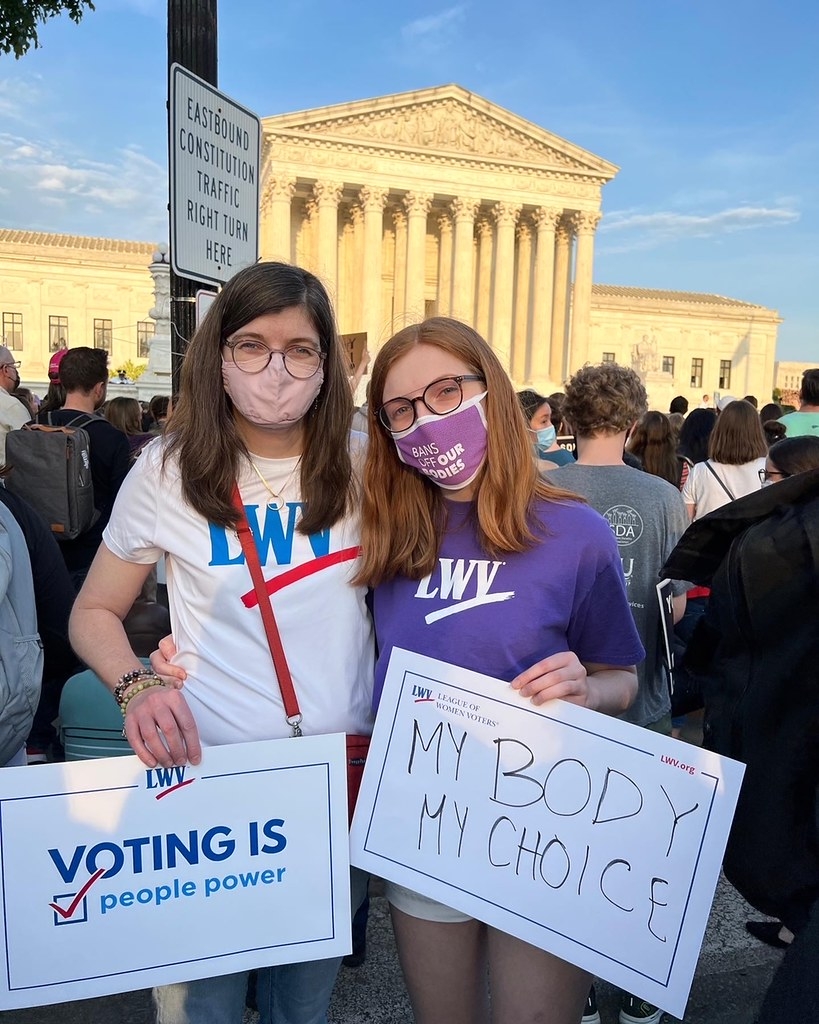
x: 416, y: 905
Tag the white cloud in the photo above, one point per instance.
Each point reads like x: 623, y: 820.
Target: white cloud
x: 125, y: 196
x: 648, y: 230
x: 433, y: 24
x: 17, y: 99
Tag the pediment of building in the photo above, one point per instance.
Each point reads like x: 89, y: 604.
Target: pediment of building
x: 449, y: 121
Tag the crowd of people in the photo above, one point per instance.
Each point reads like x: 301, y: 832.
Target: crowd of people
x: 584, y: 498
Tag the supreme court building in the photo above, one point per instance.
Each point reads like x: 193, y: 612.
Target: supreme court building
x: 440, y: 202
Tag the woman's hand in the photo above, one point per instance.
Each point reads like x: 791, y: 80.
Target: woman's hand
x: 606, y: 688
x: 161, y: 663
x: 160, y: 728
x: 158, y: 724
x: 561, y: 676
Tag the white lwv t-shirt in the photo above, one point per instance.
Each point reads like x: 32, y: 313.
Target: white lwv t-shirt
x: 324, y: 624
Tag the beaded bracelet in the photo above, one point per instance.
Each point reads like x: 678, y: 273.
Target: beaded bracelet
x: 146, y: 684
x: 128, y: 679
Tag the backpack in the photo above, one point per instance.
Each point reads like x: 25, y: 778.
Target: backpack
x: 52, y: 472
x: 21, y: 652
x: 757, y: 654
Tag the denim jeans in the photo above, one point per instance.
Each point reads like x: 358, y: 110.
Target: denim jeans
x: 287, y: 994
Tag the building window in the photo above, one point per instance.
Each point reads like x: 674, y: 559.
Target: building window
x: 668, y: 365
x: 696, y: 373
x: 608, y: 357
x: 145, y: 331
x: 57, y: 333
x: 13, y: 331
x: 724, y: 374
x: 103, y: 334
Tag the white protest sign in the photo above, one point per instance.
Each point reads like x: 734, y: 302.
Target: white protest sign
x: 115, y: 877
x: 583, y: 835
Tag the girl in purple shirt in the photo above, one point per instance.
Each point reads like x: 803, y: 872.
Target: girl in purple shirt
x: 476, y: 561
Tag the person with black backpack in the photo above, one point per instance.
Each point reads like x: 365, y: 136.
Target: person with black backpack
x: 84, y: 375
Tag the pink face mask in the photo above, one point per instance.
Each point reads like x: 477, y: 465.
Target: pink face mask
x: 449, y: 449
x: 272, y: 398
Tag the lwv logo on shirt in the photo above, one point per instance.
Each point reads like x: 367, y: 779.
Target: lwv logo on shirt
x: 466, y: 583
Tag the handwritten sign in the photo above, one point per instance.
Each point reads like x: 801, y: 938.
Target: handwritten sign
x: 114, y: 877
x: 583, y: 835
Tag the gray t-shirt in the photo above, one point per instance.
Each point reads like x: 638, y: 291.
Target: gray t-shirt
x: 647, y: 516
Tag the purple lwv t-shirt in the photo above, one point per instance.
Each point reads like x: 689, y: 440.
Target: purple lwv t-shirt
x: 501, y: 615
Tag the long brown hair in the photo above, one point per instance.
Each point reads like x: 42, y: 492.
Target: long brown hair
x: 652, y: 441
x: 125, y: 414
x: 203, y: 434
x: 402, y: 517
x: 737, y: 437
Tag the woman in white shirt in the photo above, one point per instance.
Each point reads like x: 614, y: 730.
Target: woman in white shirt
x: 263, y: 420
x: 736, y: 453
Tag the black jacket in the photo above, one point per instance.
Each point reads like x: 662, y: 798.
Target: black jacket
x: 757, y: 653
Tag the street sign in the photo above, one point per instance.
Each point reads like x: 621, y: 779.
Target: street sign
x: 214, y: 180
x: 204, y: 300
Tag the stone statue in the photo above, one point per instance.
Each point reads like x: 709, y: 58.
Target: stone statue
x: 644, y: 358
x: 161, y: 273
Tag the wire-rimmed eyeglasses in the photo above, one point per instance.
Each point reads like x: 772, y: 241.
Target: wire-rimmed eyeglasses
x: 253, y: 356
x: 441, y: 396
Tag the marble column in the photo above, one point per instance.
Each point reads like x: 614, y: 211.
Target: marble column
x: 275, y: 230
x: 399, y: 287
x: 506, y: 217
x: 444, y: 264
x: 417, y: 205
x: 328, y: 195
x: 486, y: 238
x: 350, y: 259
x: 540, y: 367
x: 463, y: 284
x: 523, y: 279
x: 585, y: 224
x: 373, y: 201
x: 560, y: 307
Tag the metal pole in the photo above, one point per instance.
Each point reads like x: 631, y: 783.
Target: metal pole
x: 192, y: 40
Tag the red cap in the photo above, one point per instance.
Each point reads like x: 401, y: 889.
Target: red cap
x: 54, y: 366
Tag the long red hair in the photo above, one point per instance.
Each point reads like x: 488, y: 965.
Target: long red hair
x: 402, y: 516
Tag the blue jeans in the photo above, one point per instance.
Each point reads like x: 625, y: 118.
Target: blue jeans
x: 287, y: 994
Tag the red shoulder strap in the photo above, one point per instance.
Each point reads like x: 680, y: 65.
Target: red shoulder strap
x: 274, y: 640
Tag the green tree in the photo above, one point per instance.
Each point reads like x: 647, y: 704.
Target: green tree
x: 20, y: 19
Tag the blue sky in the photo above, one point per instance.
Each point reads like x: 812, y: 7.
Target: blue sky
x: 711, y: 110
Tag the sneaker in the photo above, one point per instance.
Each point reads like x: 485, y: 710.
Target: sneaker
x: 34, y: 755
x: 590, y: 1014
x: 634, y: 1010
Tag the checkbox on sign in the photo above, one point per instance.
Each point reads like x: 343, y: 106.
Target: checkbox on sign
x: 68, y: 910
x: 69, y: 913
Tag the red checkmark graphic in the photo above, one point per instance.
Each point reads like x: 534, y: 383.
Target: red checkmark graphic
x: 65, y: 914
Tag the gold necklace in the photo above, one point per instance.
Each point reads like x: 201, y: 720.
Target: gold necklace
x: 278, y: 502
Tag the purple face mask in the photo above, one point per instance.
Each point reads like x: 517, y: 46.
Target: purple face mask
x: 449, y: 449
x: 271, y: 398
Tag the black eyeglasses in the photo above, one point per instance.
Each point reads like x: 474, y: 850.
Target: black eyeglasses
x: 251, y: 356
x: 17, y: 364
x: 441, y: 396
x: 767, y: 474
